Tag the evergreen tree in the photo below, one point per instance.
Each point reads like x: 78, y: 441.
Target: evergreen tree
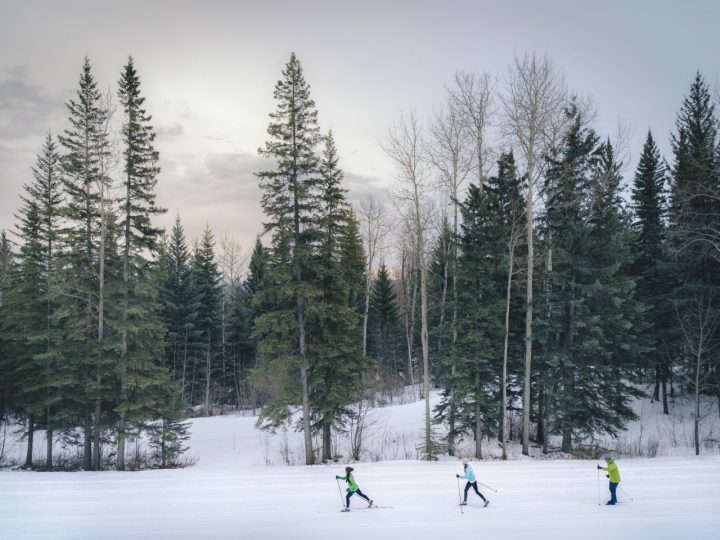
x: 247, y: 306
x: 7, y: 381
x: 693, y: 240
x: 508, y: 212
x: 590, y: 332
x: 40, y: 370
x: 86, y: 147
x: 180, y: 306
x: 167, y: 438
x: 650, y: 265
x: 384, y: 339
x: 206, y: 284
x: 140, y: 329
x: 290, y: 201
x: 442, y: 312
x: 480, y: 309
x: 335, y: 341
x: 439, y: 293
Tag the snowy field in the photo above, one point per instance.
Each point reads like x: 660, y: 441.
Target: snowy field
x: 241, y: 488
x: 673, y: 499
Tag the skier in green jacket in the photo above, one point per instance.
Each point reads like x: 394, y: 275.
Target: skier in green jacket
x: 352, y: 488
x: 614, y: 476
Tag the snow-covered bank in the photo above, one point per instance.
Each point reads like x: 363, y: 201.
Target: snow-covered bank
x: 673, y: 498
x: 395, y: 433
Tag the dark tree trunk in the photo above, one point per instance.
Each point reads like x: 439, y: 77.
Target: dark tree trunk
x: 30, y: 437
x: 326, y: 441
x: 658, y: 376
x: 49, y: 441
x: 87, y: 446
x: 666, y: 410
x: 541, y: 414
x: 96, y: 434
x: 567, y: 441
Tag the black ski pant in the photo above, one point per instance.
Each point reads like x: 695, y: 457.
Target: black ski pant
x: 474, y: 486
x: 351, y: 493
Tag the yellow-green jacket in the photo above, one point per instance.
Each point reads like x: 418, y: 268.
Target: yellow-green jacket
x: 613, y: 472
x: 352, y: 485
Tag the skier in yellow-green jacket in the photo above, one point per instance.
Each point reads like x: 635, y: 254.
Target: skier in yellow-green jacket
x: 613, y: 473
x: 352, y: 488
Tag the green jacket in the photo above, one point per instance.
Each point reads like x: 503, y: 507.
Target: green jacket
x: 352, y: 486
x: 613, y: 471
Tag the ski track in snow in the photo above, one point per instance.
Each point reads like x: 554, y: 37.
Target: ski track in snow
x: 674, y: 498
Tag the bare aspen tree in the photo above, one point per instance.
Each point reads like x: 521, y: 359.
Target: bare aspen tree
x: 699, y: 327
x: 406, y: 148
x: 408, y: 301
x: 450, y: 154
x: 373, y: 228
x: 472, y: 98
x: 514, y: 235
x: 534, y: 98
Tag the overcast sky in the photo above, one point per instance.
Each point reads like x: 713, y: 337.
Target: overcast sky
x: 208, y: 70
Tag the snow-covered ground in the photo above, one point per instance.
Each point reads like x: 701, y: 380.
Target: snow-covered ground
x: 241, y: 488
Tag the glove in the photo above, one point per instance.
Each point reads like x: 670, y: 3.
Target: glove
x: 338, y: 478
x: 457, y: 476
x: 607, y: 476
x: 599, y: 467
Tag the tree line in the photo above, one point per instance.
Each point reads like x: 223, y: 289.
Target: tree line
x: 522, y: 278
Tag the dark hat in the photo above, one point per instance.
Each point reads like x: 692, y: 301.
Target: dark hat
x: 349, y: 469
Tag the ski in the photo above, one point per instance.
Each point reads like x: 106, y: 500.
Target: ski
x: 373, y: 507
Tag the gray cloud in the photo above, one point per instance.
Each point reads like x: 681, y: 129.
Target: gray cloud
x: 174, y: 130
x: 25, y: 108
x: 361, y: 186
x: 220, y: 190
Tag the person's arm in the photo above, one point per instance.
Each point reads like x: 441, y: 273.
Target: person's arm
x: 340, y: 477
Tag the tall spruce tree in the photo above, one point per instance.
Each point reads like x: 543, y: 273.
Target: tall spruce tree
x: 206, y: 283
x: 480, y: 330
x: 590, y: 332
x: 289, y: 201
x: 140, y: 329
x: 508, y: 214
x: 40, y: 367
x: 86, y: 146
x: 180, y: 306
x: 694, y: 222
x: 650, y: 266
x: 335, y: 341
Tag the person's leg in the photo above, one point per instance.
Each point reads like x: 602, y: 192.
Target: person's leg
x: 347, y: 499
x: 478, y: 491
x: 361, y: 494
x: 467, y: 488
x: 613, y: 492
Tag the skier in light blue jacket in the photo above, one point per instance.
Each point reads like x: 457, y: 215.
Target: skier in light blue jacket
x: 471, y: 482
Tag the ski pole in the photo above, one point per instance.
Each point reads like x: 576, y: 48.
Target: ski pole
x: 626, y: 493
x: 485, y: 485
x: 459, y: 498
x: 340, y: 492
x: 598, y: 498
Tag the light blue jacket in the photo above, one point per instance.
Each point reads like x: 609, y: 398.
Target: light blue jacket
x: 469, y: 474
